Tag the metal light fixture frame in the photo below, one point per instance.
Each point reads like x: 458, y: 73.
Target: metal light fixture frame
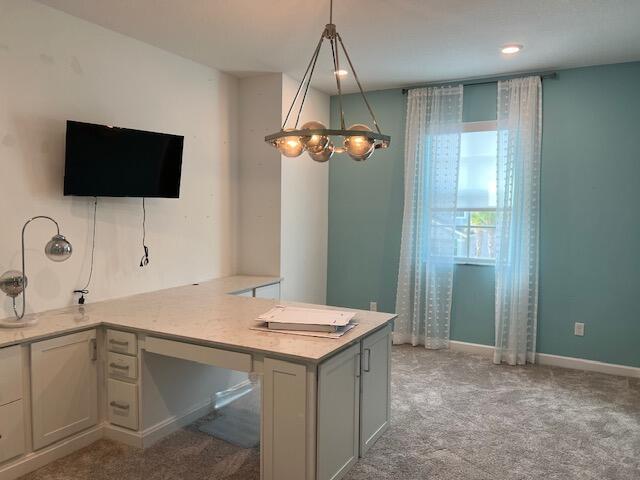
x: 331, y: 34
x: 19, y: 282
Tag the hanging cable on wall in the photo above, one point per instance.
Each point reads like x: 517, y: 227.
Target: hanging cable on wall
x: 85, y: 290
x: 144, y: 261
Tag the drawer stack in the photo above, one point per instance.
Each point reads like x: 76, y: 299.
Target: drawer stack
x: 11, y: 409
x: 122, y: 385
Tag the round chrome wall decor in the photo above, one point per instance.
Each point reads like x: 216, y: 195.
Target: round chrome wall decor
x: 321, y: 143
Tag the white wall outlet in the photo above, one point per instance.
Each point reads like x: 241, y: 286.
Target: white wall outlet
x: 578, y: 329
x: 373, y: 306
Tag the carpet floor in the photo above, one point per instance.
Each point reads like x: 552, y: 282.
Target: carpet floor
x: 455, y: 416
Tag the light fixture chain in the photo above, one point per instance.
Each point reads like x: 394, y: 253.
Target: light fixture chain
x: 314, y: 56
x: 336, y: 67
x: 355, y: 75
x: 304, y: 96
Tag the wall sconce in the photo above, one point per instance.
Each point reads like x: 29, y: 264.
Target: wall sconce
x: 13, y: 283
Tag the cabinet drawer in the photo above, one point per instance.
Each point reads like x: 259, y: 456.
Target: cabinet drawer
x: 123, y: 366
x: 122, y: 404
x: 122, y: 342
x: 11, y: 430
x: 10, y: 374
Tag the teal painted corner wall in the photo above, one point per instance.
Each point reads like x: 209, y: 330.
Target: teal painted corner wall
x: 590, y: 226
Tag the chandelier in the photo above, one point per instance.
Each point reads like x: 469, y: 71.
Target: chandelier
x: 359, y: 141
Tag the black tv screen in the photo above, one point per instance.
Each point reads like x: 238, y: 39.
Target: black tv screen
x: 104, y: 161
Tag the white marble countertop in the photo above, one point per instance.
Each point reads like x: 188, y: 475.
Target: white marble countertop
x: 203, y: 314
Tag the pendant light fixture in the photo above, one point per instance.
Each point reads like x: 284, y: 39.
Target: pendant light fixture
x: 359, y: 141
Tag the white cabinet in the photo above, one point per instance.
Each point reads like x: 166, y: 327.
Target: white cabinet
x: 286, y: 432
x: 122, y: 342
x: 11, y: 408
x: 270, y: 292
x: 11, y: 430
x: 375, y: 394
x: 338, y: 414
x: 10, y: 374
x: 122, y: 402
x: 64, y: 387
x: 122, y: 366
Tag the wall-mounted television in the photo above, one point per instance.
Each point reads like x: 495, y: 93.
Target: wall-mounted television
x: 103, y: 161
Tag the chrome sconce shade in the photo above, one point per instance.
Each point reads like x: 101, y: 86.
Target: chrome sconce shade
x: 14, y: 283
x: 359, y: 141
x: 58, y: 249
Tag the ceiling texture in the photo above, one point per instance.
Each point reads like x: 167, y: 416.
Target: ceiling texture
x: 393, y: 43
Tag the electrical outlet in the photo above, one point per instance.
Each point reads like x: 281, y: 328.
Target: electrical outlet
x: 373, y: 306
x: 578, y: 329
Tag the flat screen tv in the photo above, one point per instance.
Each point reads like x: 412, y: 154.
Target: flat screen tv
x: 104, y: 161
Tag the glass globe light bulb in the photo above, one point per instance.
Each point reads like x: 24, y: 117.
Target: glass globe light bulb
x: 11, y: 283
x: 290, y: 146
x: 324, y: 155
x: 314, y: 143
x: 359, y: 147
x: 58, y: 249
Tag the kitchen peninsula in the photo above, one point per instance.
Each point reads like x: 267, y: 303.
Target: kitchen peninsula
x: 324, y: 401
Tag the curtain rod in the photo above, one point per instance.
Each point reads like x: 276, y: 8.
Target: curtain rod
x: 484, y: 80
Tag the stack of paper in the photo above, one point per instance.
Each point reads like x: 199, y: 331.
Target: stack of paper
x: 319, y: 322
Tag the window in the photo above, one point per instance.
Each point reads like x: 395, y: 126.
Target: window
x: 476, y: 212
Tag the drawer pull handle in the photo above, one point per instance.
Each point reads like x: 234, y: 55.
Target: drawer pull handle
x: 119, y: 367
x: 123, y: 406
x: 118, y: 342
x: 367, y: 351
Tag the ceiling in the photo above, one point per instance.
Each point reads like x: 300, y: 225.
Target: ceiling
x: 392, y: 42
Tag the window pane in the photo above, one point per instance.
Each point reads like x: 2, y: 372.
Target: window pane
x: 482, y: 243
x: 462, y: 218
x: 462, y: 235
x: 483, y: 219
x: 443, y: 218
x: 477, y: 176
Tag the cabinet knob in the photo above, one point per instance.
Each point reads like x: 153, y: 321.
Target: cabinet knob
x: 118, y: 342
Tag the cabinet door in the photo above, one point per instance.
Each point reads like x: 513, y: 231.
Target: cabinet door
x: 11, y: 430
x: 286, y: 430
x: 375, y: 406
x: 338, y: 414
x: 64, y: 387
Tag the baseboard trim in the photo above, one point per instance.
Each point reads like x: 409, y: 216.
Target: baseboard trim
x: 123, y: 435
x: 476, y: 348
x: 588, y: 365
x: 34, y: 460
x: 160, y: 430
x: 554, y: 360
x: 232, y: 394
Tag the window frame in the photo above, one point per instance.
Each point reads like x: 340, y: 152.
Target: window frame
x: 467, y: 127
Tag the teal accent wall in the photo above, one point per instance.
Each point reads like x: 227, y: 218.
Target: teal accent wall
x: 590, y: 225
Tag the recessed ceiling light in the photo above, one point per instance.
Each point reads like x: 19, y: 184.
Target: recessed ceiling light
x: 341, y: 73
x: 511, y: 49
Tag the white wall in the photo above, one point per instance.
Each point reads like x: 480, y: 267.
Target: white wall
x: 259, y: 197
x: 283, y: 201
x: 166, y: 380
x: 304, y: 209
x: 55, y: 67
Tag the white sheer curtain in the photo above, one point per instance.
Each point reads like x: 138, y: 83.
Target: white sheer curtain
x: 518, y: 210
x: 425, y: 279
